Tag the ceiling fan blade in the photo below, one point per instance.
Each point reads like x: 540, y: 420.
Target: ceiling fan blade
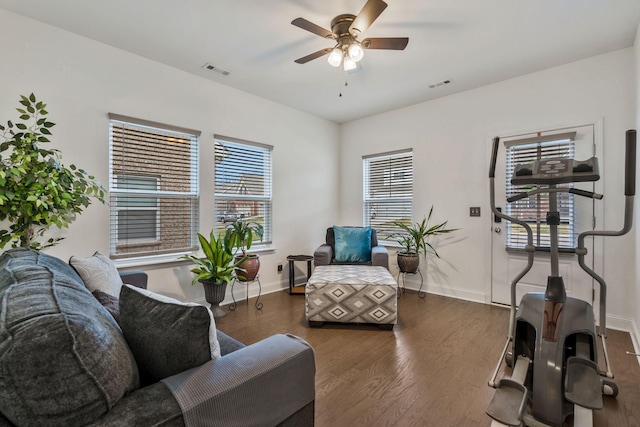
x: 311, y: 27
x: 392, y: 43
x: 369, y: 13
x: 313, y: 56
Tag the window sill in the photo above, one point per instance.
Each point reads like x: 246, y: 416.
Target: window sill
x: 158, y: 260
x: 389, y: 245
x: 262, y: 249
x: 150, y: 260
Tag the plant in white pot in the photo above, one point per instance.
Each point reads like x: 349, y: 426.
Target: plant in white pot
x: 240, y: 234
x: 414, y: 240
x: 36, y: 190
x: 215, y: 271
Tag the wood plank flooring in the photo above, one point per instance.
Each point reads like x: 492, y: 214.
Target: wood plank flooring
x: 431, y: 370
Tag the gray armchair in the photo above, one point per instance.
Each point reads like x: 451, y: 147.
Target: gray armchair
x: 325, y: 254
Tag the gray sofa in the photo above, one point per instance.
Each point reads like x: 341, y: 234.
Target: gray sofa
x: 325, y: 253
x: 64, y: 361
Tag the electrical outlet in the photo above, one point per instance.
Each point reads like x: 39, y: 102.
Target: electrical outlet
x: 474, y: 211
x: 279, y: 268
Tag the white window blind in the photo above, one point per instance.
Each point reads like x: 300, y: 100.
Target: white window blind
x: 534, y: 209
x: 243, y: 183
x: 138, y: 217
x: 388, y: 191
x: 153, y: 183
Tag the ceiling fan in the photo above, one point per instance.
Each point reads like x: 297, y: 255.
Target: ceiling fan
x: 345, y: 30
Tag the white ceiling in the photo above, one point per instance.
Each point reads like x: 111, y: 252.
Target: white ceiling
x: 469, y: 42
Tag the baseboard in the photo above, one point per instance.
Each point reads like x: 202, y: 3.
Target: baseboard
x: 635, y: 339
x: 446, y: 291
x: 619, y: 323
x: 240, y: 292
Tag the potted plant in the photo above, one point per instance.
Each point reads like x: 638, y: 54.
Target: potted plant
x: 240, y: 234
x: 414, y: 240
x: 215, y: 271
x: 36, y: 190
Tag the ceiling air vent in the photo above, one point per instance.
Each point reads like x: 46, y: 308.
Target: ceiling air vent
x: 442, y: 83
x: 210, y: 67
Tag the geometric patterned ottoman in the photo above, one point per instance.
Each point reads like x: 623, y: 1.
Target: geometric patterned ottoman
x: 352, y: 294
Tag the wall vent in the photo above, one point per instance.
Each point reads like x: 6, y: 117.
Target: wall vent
x: 442, y: 83
x: 211, y: 67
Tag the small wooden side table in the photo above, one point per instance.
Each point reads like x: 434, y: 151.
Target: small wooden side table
x: 293, y: 289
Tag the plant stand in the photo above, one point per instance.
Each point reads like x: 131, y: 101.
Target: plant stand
x: 258, y: 304
x: 214, y: 295
x: 402, y: 274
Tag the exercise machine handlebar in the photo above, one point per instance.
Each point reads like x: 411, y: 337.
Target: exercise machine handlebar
x: 630, y: 164
x: 494, y: 157
x: 576, y: 191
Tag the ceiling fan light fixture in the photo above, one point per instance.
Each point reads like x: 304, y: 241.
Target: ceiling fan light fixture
x: 356, y: 52
x: 349, y: 64
x: 345, y: 30
x: 335, y: 57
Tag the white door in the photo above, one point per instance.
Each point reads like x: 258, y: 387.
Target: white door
x: 508, y: 263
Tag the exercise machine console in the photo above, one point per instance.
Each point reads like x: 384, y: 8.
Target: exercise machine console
x: 552, y: 342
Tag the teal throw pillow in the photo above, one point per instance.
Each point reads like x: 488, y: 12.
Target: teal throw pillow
x: 353, y: 244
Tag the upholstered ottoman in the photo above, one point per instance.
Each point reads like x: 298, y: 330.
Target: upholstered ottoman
x: 352, y: 294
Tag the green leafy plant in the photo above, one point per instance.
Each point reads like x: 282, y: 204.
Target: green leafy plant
x: 240, y: 234
x: 217, y: 264
x: 414, y: 238
x: 36, y: 190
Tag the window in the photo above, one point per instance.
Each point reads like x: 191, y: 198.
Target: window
x: 388, y: 191
x: 138, y: 218
x: 243, y: 183
x: 153, y: 183
x: 534, y: 209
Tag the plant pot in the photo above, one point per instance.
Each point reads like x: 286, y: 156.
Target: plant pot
x: 251, y: 266
x: 408, y: 262
x: 214, y: 293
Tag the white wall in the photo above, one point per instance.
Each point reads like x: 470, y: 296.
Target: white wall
x: 635, y: 294
x: 82, y: 80
x: 450, y: 138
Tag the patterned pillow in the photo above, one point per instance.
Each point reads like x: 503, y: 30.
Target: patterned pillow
x: 98, y: 273
x: 353, y: 244
x: 165, y: 335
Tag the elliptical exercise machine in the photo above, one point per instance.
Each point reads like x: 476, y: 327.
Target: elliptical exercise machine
x: 552, y: 337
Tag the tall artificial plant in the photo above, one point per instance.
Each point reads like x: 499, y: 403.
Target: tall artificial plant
x: 36, y: 190
x: 414, y: 237
x: 218, y: 264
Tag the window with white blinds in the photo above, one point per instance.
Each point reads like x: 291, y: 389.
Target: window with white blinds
x: 153, y: 184
x: 388, y: 191
x: 243, y: 183
x: 534, y: 209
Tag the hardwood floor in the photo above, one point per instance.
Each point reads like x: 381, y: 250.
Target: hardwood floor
x: 431, y: 370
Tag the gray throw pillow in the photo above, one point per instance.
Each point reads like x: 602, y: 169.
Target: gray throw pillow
x: 98, y: 273
x: 64, y: 360
x: 165, y: 335
x: 109, y: 302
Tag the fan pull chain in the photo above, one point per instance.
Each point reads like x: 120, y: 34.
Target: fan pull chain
x: 346, y: 80
x: 346, y: 83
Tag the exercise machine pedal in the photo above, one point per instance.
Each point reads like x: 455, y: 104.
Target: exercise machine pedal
x: 507, y: 405
x: 582, y: 383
